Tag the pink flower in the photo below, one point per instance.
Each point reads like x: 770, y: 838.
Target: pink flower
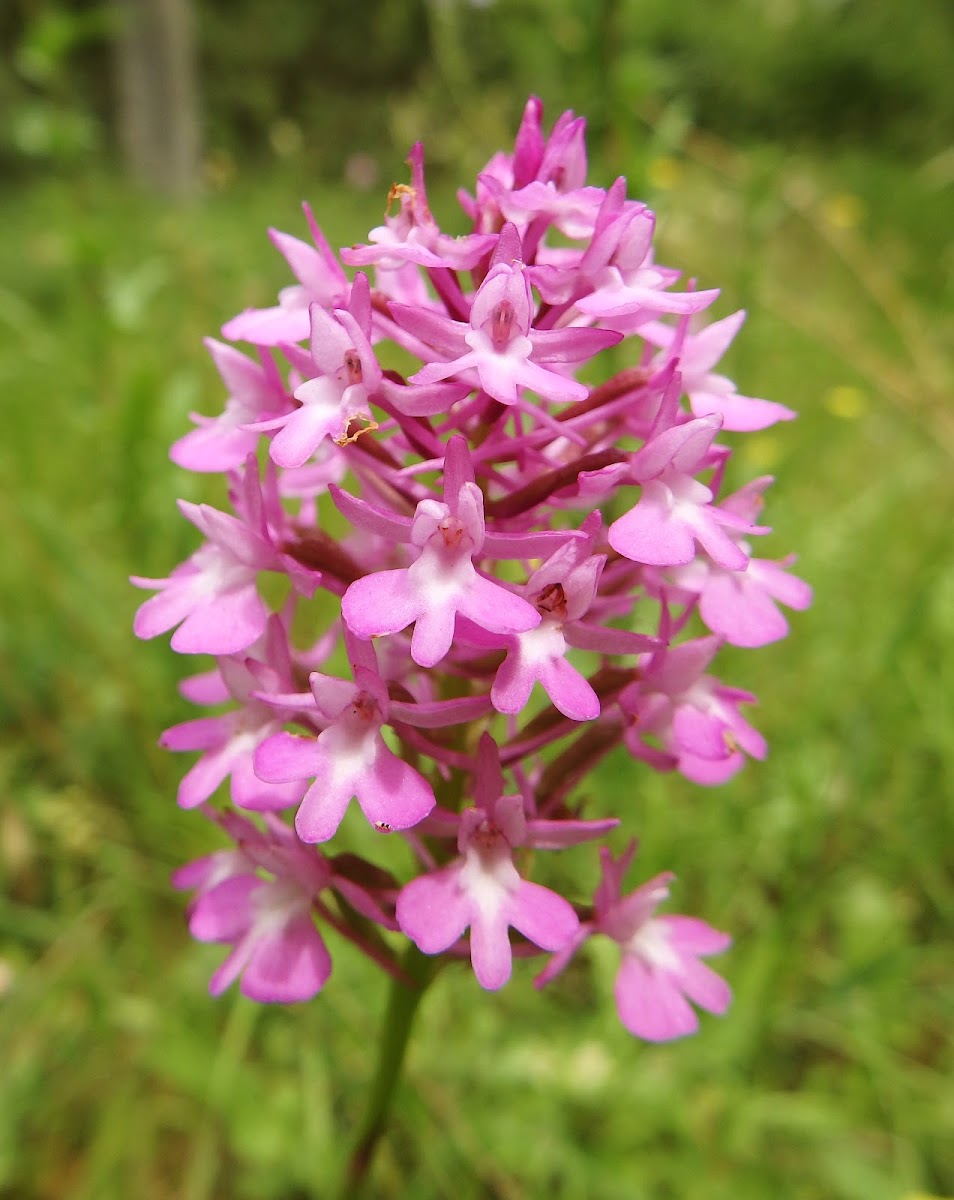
x: 443, y: 580
x: 256, y: 392
x: 228, y: 742
x: 321, y: 281
x: 348, y: 758
x: 675, y: 510
x: 337, y: 397
x: 498, y: 349
x: 276, y: 948
x: 413, y: 236
x: 693, y: 715
x: 697, y: 354
x: 629, y: 288
x: 482, y: 890
x: 562, y: 590
x: 659, y: 972
x: 213, y: 596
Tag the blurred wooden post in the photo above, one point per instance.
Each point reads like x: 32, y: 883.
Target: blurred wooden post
x: 158, y: 116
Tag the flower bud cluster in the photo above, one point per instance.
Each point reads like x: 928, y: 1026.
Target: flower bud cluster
x: 488, y: 467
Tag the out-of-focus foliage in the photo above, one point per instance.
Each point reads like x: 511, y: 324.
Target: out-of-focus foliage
x: 330, y: 80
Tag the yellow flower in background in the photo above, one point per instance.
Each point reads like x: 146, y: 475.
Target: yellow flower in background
x: 846, y: 402
x: 844, y: 210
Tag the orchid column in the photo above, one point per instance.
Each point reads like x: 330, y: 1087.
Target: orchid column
x: 539, y: 565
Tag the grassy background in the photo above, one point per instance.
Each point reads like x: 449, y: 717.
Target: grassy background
x: 829, y: 1078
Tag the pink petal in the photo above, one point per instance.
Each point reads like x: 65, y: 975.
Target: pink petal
x: 433, y: 634
x: 737, y: 609
x: 569, y: 691
x: 392, y: 793
x: 233, y: 966
x: 703, y: 986
x: 542, y: 916
x: 223, y: 913
x: 700, y: 733
x: 161, y: 612
x: 710, y: 772
x: 214, y: 447
x: 490, y: 952
x: 513, y: 683
x: 268, y: 326
x: 222, y: 625
x: 384, y: 602
x: 740, y: 414
x: 432, y: 911
x: 284, y: 757
x: 690, y: 935
x: 492, y: 607
x: 288, y: 964
x: 302, y: 433
x: 250, y: 792
x: 649, y: 1003
x: 650, y: 533
x: 324, y: 806
x: 198, y: 783
x: 203, y: 733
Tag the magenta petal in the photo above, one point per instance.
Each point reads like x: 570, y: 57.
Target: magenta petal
x: 513, y: 683
x: 284, y: 757
x: 159, y: 613
x: 651, y: 534
x: 437, y: 714
x: 324, y: 806
x: 569, y: 691
x: 223, y: 625
x: 690, y: 935
x: 542, y: 916
x: 288, y: 964
x: 204, y: 777
x: 700, y: 733
x: 740, y: 414
x: 233, y: 966
x: 223, y: 913
x: 432, y: 912
x: 710, y: 772
x: 649, y: 1003
x: 433, y: 634
x: 703, y: 986
x: 268, y: 326
x: 492, y: 607
x: 392, y: 794
x: 214, y: 447
x: 206, y: 688
x: 250, y: 792
x: 380, y: 603
x: 203, y: 733
x: 557, y: 835
x: 490, y: 952
x: 716, y: 543
x: 736, y: 608
x: 302, y: 433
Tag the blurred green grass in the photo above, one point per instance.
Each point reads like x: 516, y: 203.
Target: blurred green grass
x: 830, y: 1077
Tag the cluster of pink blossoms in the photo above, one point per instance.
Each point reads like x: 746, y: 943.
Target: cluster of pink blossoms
x: 517, y: 565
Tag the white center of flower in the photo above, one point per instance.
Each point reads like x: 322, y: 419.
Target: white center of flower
x: 651, y: 943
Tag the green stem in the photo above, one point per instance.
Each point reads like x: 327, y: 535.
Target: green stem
x: 402, y: 1006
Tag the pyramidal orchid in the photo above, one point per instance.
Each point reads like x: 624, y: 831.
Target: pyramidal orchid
x: 517, y: 552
